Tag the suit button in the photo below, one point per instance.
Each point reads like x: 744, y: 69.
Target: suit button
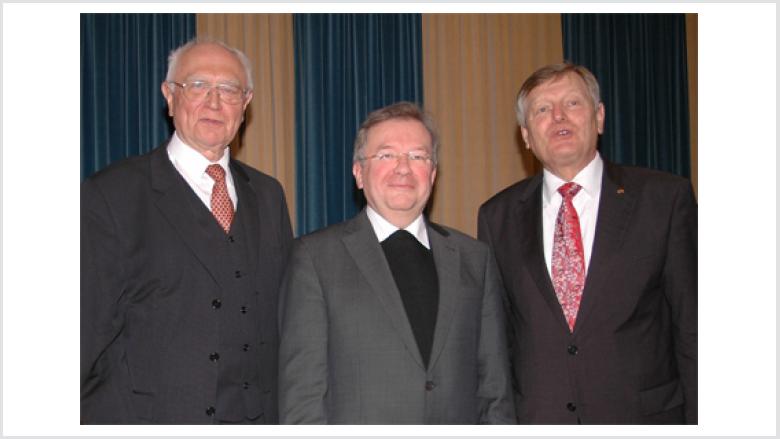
x: 216, y: 303
x: 243, y: 310
x: 246, y: 385
x: 238, y: 274
x: 231, y: 239
x: 214, y: 356
x: 571, y: 349
x: 210, y: 411
x: 429, y: 385
x: 245, y: 347
x: 571, y: 407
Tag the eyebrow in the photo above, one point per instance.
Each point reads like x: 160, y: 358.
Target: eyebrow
x: 423, y: 147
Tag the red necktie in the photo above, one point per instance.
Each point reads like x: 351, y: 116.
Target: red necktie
x: 221, y: 205
x: 568, y: 258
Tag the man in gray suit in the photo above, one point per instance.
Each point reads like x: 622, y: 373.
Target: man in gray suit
x: 388, y: 318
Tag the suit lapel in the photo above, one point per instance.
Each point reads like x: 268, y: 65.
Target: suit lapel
x: 446, y: 257
x: 529, y: 235
x: 362, y: 245
x: 175, y: 203
x: 615, y: 207
x: 247, y: 211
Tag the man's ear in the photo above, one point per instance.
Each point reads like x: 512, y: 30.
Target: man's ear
x: 600, y: 112
x: 524, y: 133
x: 357, y: 172
x: 249, y: 95
x: 168, y: 94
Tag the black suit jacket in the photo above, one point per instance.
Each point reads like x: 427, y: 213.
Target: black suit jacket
x: 150, y: 274
x: 632, y: 357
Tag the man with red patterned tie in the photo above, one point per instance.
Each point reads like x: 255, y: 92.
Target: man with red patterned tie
x: 599, y: 262
x: 182, y: 255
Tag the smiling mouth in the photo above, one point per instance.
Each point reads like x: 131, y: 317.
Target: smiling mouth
x: 563, y: 132
x: 402, y: 186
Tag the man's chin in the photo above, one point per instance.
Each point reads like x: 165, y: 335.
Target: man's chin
x: 405, y: 207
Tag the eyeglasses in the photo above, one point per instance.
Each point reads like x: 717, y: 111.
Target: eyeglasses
x: 196, y: 91
x: 415, y: 157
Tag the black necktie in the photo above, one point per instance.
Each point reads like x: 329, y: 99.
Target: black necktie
x: 415, y: 276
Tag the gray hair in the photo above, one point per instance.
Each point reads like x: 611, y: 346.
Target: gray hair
x: 551, y: 72
x: 399, y: 110
x: 173, y: 58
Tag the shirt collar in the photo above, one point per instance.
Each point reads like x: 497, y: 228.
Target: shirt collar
x: 589, y: 178
x: 190, y: 161
x: 384, y: 228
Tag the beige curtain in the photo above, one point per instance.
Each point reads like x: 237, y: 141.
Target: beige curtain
x: 267, y: 140
x: 473, y: 66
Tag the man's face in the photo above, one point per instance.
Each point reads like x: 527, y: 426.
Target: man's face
x: 562, y: 126
x: 210, y: 124
x: 397, y: 190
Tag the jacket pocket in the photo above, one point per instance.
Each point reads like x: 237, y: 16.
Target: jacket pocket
x: 661, y: 398
x: 142, y: 397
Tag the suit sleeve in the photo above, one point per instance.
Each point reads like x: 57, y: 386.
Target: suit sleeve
x: 681, y: 289
x: 495, y: 390
x: 101, y: 297
x: 303, y: 321
x: 483, y: 234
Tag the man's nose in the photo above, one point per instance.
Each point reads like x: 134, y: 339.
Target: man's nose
x: 558, y: 114
x: 213, y: 99
x: 402, y: 164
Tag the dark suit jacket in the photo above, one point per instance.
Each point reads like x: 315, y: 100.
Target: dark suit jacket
x: 150, y: 273
x: 632, y: 357
x: 348, y: 354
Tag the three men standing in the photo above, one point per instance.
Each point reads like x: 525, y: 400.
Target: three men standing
x: 386, y: 318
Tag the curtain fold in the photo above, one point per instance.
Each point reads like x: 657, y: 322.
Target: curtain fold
x: 640, y: 61
x: 123, y: 63
x: 346, y: 65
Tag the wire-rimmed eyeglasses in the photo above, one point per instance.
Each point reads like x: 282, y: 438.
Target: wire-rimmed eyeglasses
x: 196, y: 91
x: 415, y: 157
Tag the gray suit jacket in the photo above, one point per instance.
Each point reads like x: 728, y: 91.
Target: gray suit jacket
x: 348, y: 354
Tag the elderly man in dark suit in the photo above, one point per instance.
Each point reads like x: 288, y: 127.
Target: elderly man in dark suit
x: 599, y: 263
x: 182, y: 254
x: 388, y: 318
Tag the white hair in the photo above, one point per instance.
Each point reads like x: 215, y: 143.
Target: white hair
x: 173, y: 58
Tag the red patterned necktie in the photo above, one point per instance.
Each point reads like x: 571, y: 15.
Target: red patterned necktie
x: 221, y: 206
x: 568, y: 258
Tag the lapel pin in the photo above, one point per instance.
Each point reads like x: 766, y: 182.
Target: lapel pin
x: 620, y: 190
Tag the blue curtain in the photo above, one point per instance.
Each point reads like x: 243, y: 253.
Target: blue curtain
x: 123, y: 62
x: 346, y: 65
x: 640, y: 61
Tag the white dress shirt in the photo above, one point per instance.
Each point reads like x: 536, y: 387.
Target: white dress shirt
x: 384, y: 228
x: 192, y: 166
x: 586, y: 203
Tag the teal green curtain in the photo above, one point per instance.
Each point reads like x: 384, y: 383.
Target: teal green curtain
x: 641, y: 63
x: 124, y: 58
x: 346, y: 65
